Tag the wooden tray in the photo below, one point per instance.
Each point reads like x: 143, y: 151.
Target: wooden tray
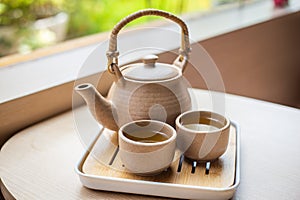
x: 100, y: 168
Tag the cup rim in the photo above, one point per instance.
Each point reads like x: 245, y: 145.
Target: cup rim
x: 178, y: 124
x: 173, y: 131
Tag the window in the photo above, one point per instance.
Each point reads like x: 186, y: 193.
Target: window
x: 26, y: 25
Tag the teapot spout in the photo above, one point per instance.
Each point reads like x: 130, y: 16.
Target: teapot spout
x: 101, y: 108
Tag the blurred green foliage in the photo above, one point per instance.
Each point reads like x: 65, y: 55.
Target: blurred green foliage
x: 89, y: 16
x: 23, y: 12
x: 85, y: 17
x: 93, y: 16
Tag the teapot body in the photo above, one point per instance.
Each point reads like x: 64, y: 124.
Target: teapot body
x: 148, y: 90
x: 157, y: 100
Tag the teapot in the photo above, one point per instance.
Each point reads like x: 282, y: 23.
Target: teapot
x: 148, y: 90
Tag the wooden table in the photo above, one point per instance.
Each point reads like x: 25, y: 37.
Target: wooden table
x: 38, y: 162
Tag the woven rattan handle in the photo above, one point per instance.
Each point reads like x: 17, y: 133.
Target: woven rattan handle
x: 112, y: 53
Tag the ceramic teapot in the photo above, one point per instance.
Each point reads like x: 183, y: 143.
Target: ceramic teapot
x: 148, y: 90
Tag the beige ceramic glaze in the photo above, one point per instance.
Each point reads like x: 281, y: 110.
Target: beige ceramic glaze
x: 202, y: 145
x: 147, y: 158
x: 148, y: 90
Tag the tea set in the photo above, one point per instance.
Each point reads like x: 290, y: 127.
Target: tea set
x: 145, y: 104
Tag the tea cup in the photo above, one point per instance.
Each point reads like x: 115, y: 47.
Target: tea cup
x: 202, y: 135
x: 147, y: 147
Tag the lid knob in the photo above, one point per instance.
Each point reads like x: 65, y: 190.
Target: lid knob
x: 150, y: 60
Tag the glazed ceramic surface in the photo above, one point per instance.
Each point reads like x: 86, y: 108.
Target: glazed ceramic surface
x: 148, y: 90
x: 204, y: 143
x: 147, y: 158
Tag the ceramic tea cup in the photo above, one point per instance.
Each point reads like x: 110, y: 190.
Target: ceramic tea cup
x: 202, y: 135
x: 147, y: 147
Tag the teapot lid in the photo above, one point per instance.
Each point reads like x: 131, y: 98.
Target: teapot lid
x: 149, y: 70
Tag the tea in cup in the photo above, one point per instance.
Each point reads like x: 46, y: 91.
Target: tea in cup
x: 147, y: 147
x: 202, y: 135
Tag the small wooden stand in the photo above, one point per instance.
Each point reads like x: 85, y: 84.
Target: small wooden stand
x: 103, y: 161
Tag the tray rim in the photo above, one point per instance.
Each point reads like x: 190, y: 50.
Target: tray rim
x: 231, y: 189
